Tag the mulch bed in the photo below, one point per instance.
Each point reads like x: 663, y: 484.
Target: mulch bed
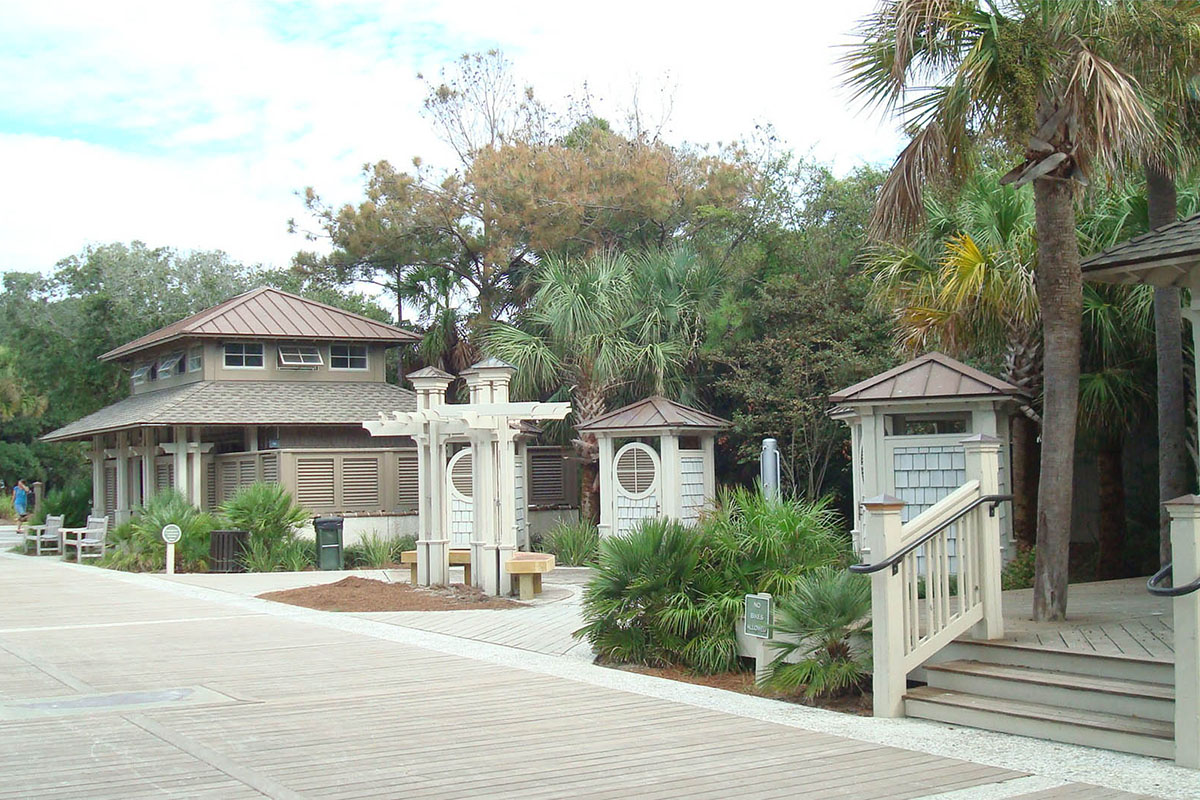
x: 744, y: 682
x: 365, y: 594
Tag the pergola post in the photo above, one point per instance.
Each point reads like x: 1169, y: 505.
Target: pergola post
x: 433, y: 546
x: 1185, y: 568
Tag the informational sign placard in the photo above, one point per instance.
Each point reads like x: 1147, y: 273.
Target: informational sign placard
x: 171, y: 533
x: 758, y: 615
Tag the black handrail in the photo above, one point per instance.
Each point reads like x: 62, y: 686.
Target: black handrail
x: 893, y: 561
x: 1169, y: 591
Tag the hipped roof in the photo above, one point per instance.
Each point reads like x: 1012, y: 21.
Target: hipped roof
x: 933, y: 375
x: 245, y: 403
x: 1166, y: 256
x: 654, y: 412
x: 267, y: 313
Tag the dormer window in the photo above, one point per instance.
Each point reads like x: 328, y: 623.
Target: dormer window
x: 243, y: 355
x: 348, y: 356
x: 140, y: 375
x: 299, y: 356
x: 170, y: 365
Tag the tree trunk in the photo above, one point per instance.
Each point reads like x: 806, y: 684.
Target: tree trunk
x: 1112, y: 511
x: 589, y: 492
x: 1025, y: 480
x: 589, y: 403
x: 1060, y: 295
x: 1168, y: 336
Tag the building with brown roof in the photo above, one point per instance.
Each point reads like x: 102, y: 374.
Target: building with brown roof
x: 267, y: 386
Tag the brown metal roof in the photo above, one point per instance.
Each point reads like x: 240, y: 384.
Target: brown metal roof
x: 245, y: 403
x: 653, y: 412
x: 267, y: 313
x: 1166, y: 256
x: 933, y: 375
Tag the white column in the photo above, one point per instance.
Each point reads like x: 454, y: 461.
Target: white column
x: 149, y: 448
x: 608, y: 500
x: 485, y: 567
x: 983, y: 465
x: 889, y: 678
x: 97, y: 456
x: 707, y: 444
x: 872, y: 444
x: 1185, y: 552
x: 669, y: 485
x: 506, y: 504
x: 181, y: 462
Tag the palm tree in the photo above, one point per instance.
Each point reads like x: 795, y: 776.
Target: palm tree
x: 606, y: 324
x: 965, y: 285
x: 1162, y: 40
x: 1041, y: 76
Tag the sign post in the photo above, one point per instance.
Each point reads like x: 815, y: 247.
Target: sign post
x: 758, y: 626
x: 171, y: 534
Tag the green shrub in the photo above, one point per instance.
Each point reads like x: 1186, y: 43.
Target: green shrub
x: 267, y: 511
x: 573, y: 544
x: 1018, y: 573
x: 402, y: 543
x: 375, y: 551
x: 821, y: 619
x: 921, y: 589
x: 643, y: 604
x: 6, y: 506
x: 674, y: 594
x: 73, y: 502
x: 137, y: 545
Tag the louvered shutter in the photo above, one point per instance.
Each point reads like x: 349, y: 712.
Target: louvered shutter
x: 407, y: 489
x: 314, y: 482
x: 360, y: 481
x: 460, y: 474
x: 210, y: 489
x: 164, y: 476
x: 270, y: 468
x: 229, y: 480
x: 110, y: 488
x: 247, y: 472
x: 636, y: 471
x: 546, y: 477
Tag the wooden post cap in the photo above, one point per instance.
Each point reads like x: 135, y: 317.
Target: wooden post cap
x: 883, y: 502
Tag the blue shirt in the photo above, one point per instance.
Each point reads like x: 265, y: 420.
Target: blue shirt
x: 20, y: 500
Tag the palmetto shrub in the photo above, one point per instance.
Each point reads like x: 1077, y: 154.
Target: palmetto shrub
x: 73, y: 502
x: 642, y: 604
x: 266, y: 511
x: 666, y: 593
x: 573, y: 544
x: 824, y: 623
x: 137, y: 545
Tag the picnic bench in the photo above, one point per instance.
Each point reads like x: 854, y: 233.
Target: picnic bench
x: 528, y: 568
x: 458, y: 558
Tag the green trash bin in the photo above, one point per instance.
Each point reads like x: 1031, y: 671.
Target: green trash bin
x: 329, y: 542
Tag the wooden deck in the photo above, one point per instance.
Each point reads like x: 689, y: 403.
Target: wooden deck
x: 294, y: 709
x: 1118, y: 618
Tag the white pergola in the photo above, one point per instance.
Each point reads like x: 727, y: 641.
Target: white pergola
x: 492, y: 425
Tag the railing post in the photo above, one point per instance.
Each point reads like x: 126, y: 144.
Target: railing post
x: 889, y: 679
x: 983, y: 465
x: 1185, y: 555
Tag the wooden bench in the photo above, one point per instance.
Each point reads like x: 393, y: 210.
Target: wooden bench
x: 458, y: 558
x: 529, y: 568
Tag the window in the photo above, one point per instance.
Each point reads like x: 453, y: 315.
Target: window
x: 170, y: 365
x: 140, y: 375
x: 926, y: 424
x: 240, y: 355
x: 347, y: 356
x: 299, y: 356
x: 196, y: 360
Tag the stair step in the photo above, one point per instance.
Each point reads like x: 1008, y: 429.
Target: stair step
x: 1052, y: 687
x: 1134, y: 668
x: 1091, y: 728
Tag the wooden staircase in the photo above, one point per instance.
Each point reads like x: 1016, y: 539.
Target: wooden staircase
x: 1114, y: 702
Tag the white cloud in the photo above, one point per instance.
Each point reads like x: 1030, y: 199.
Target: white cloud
x: 192, y: 125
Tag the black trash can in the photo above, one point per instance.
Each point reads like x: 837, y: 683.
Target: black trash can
x: 225, y: 551
x: 329, y: 542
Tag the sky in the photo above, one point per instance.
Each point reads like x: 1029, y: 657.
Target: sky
x: 195, y: 125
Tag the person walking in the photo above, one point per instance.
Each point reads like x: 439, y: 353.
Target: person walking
x: 21, y: 502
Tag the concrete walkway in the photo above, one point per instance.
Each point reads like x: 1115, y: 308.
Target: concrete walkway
x: 123, y: 686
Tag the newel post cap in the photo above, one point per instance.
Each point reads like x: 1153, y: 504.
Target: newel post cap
x: 1187, y: 506
x: 883, y: 502
x: 980, y: 440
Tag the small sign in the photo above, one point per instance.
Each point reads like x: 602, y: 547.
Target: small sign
x: 171, y: 533
x: 758, y: 615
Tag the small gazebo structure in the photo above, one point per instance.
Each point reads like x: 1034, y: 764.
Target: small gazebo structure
x: 656, y: 460
x: 907, y: 426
